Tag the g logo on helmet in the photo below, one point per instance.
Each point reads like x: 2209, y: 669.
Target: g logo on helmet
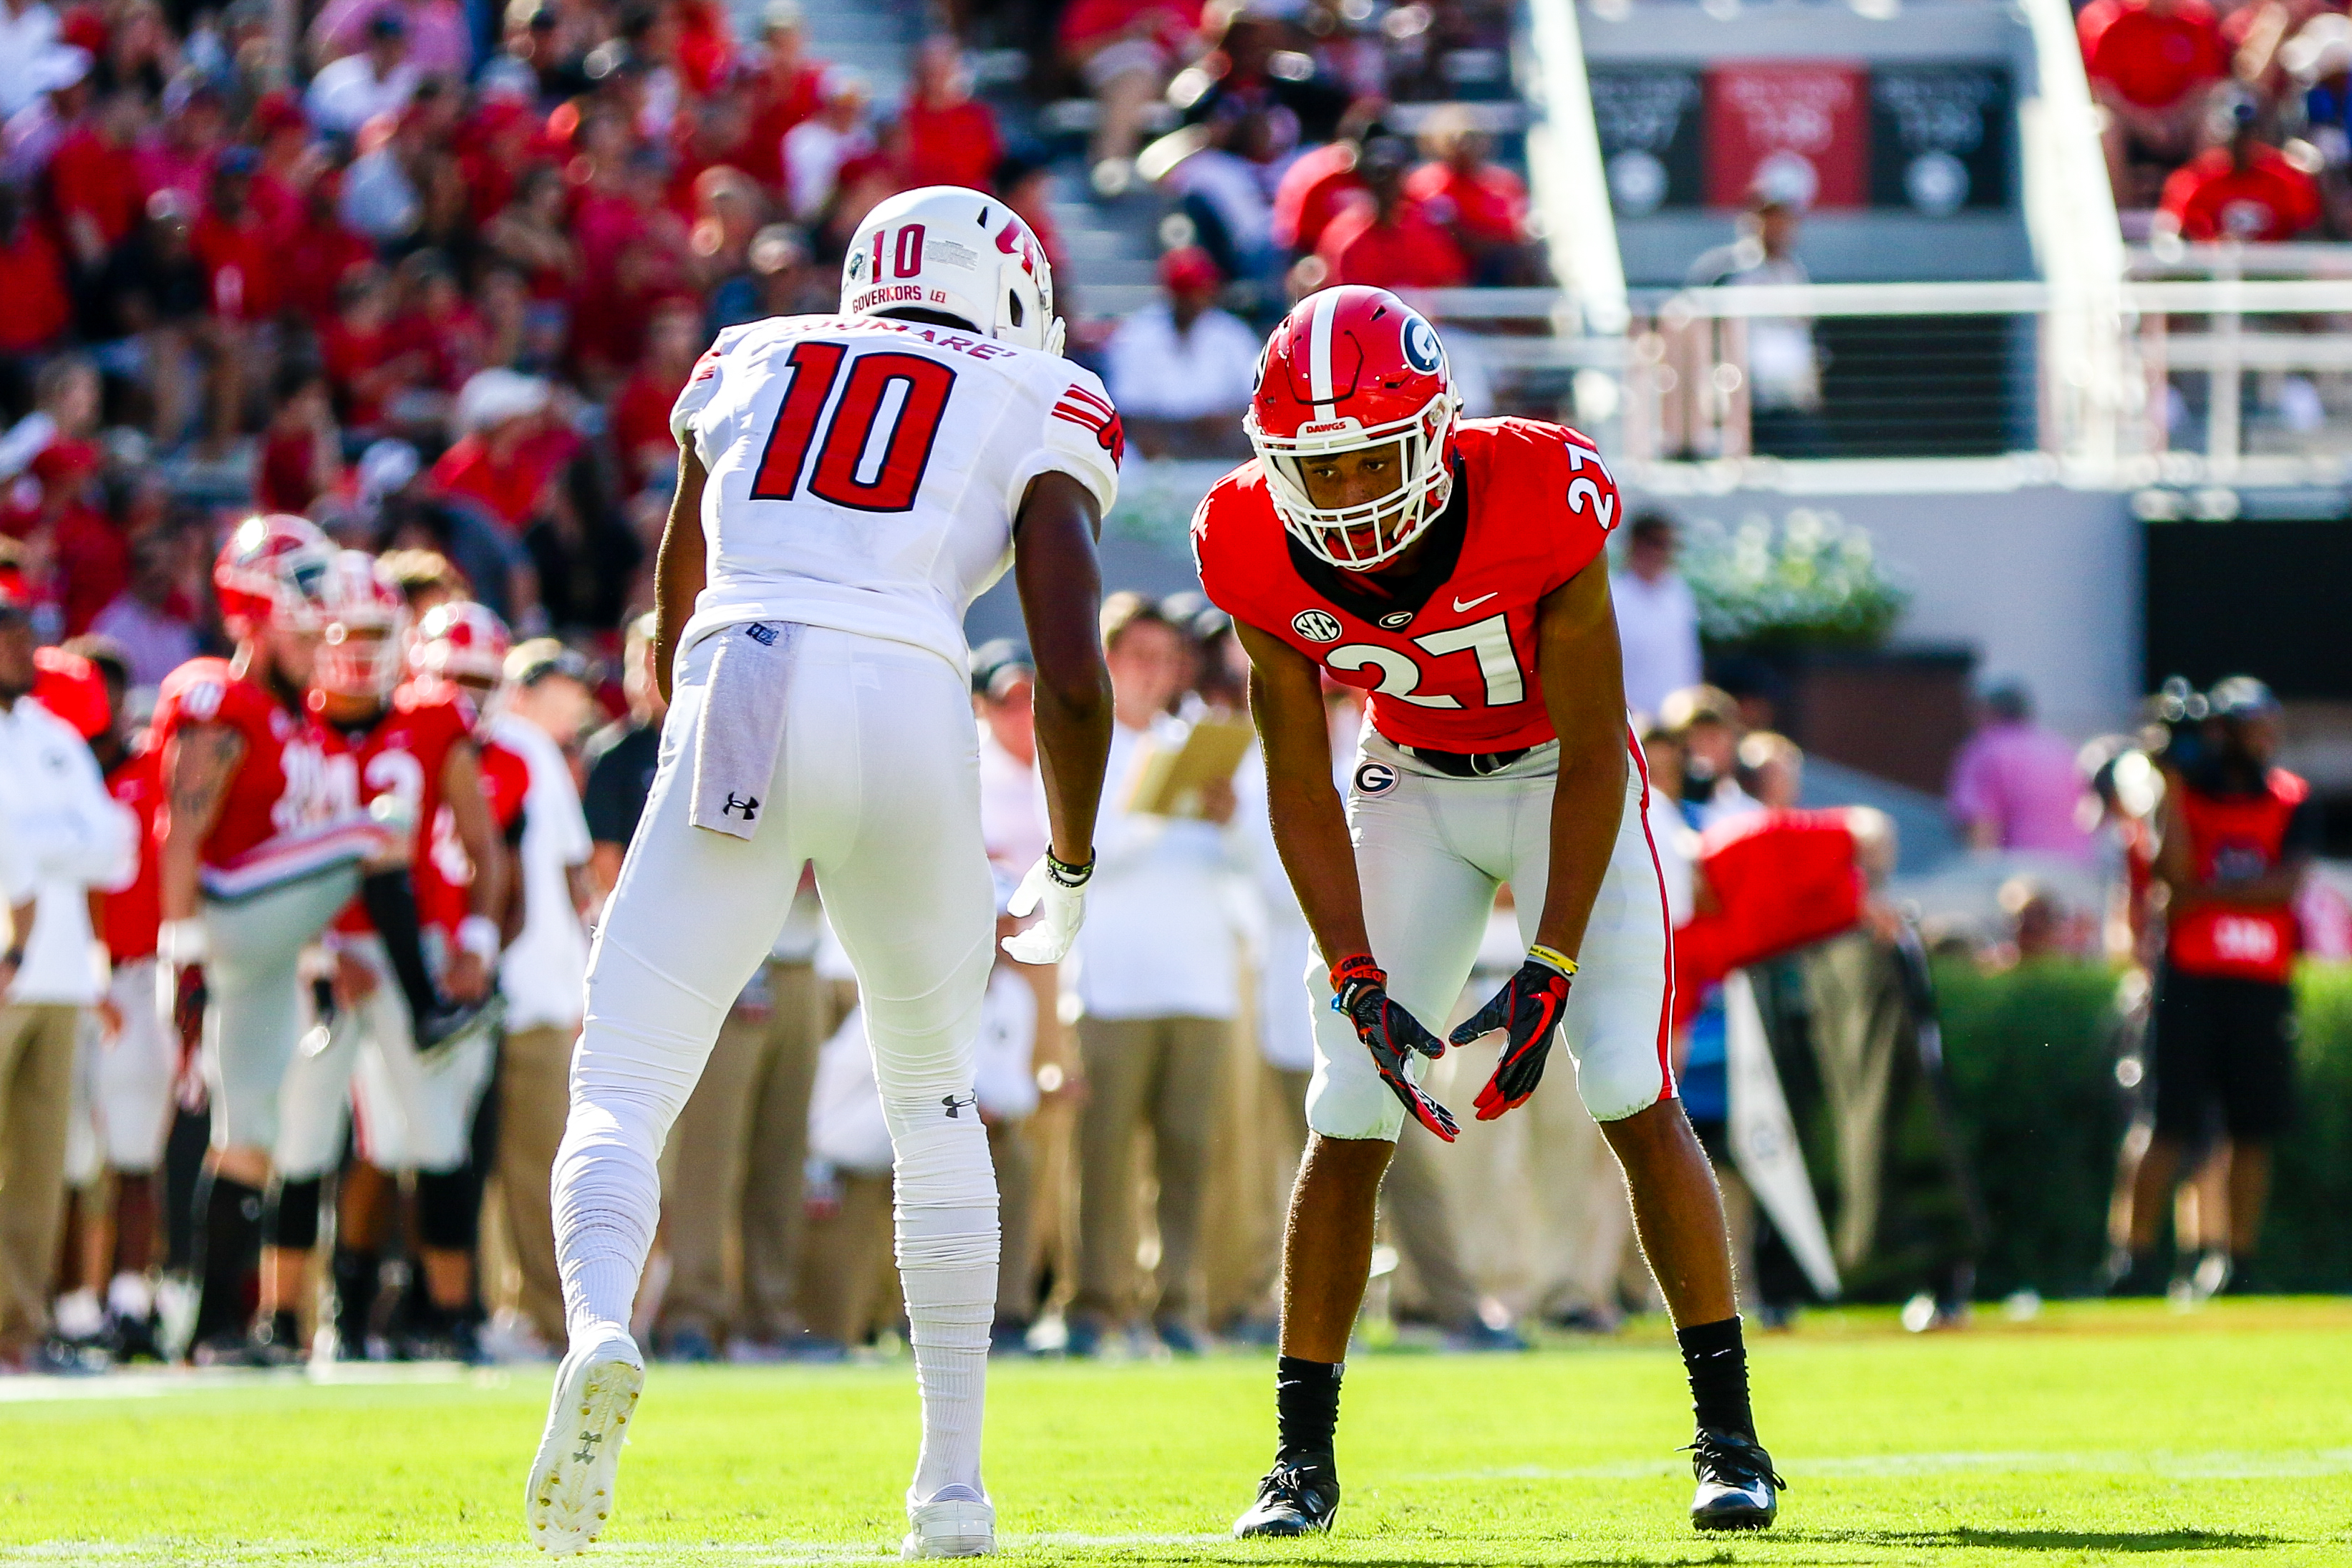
x: 1316, y: 625
x: 1421, y: 348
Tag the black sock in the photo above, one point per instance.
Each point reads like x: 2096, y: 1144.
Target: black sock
x: 227, y: 1245
x: 391, y: 903
x: 355, y: 1279
x: 1307, y: 1407
x: 1717, y: 1364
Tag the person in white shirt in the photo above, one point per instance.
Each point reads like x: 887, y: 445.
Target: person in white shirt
x: 1158, y: 983
x: 351, y: 92
x: 816, y: 148
x: 1657, y: 621
x: 1182, y: 371
x: 545, y: 968
x: 1012, y: 795
x: 67, y: 836
x: 27, y: 30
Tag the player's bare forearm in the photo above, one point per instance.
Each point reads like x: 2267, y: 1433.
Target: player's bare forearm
x: 1310, y: 822
x: 199, y: 764
x: 477, y: 830
x: 1582, y: 673
x: 1060, y: 582
x: 680, y: 567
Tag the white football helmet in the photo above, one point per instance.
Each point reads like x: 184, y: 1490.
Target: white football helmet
x: 960, y: 252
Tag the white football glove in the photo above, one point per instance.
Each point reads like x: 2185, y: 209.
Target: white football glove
x: 1062, y: 908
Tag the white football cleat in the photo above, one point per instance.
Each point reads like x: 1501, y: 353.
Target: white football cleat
x: 958, y: 1522
x: 571, y: 1491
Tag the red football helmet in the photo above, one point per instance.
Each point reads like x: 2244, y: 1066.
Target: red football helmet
x: 366, y: 627
x: 461, y: 640
x: 1348, y: 369
x: 271, y: 572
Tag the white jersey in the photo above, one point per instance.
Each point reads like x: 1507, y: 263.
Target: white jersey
x: 864, y: 473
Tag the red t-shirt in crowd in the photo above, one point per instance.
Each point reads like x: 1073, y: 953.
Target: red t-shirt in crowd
x: 1411, y: 252
x: 1313, y: 190
x: 641, y: 417
x: 776, y: 108
x: 957, y: 145
x: 88, y: 175
x: 95, y: 558
x: 315, y: 257
x: 240, y: 262
x: 33, y: 282
x: 348, y: 354
x: 509, y: 490
x: 283, y: 481
x: 2152, y: 57
x: 2211, y: 198
x: 1490, y: 204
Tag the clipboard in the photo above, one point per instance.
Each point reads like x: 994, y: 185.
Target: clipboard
x: 1168, y: 779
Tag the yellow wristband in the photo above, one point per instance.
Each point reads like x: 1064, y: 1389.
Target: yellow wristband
x: 1552, y: 956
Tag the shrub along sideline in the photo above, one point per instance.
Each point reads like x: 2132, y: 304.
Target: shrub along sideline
x: 2031, y: 1054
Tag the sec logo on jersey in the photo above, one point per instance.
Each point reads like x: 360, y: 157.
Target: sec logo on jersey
x: 1316, y: 625
x: 1375, y: 778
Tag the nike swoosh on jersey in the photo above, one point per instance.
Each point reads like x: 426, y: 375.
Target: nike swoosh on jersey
x: 1460, y: 606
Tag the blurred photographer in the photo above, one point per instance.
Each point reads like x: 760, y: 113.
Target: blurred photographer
x: 2238, y: 836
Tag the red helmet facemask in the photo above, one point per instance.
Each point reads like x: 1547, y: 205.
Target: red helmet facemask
x: 1350, y: 369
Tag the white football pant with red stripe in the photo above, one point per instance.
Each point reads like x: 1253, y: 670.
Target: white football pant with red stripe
x: 1431, y: 850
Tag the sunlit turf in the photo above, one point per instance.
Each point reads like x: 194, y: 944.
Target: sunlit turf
x: 2092, y: 1434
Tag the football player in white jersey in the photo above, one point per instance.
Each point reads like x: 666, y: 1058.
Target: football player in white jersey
x: 846, y: 486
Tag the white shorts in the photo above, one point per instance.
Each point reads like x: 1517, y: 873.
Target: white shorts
x: 123, y: 1085
x: 1431, y: 850
x: 259, y: 1005
x: 412, y: 1113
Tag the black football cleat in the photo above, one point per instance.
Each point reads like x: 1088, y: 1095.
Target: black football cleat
x: 1293, y: 1500
x: 1736, y: 1487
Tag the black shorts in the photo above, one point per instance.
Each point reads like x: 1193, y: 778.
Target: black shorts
x: 2222, y: 1042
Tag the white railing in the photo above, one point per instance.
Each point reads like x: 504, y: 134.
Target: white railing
x: 2177, y: 346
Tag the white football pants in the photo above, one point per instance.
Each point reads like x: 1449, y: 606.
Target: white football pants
x: 1431, y: 850
x: 876, y: 783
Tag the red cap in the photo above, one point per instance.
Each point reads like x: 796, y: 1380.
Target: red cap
x: 69, y: 686
x: 63, y: 461
x: 1189, y: 270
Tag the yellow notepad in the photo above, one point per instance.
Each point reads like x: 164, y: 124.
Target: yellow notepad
x: 1168, y: 779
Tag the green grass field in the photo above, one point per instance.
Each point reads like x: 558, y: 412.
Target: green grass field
x: 2089, y: 1435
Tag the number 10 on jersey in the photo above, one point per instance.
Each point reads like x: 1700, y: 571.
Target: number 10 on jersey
x: 872, y: 453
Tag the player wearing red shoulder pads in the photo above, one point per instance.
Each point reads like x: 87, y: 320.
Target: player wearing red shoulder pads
x: 409, y: 1045
x: 1455, y: 571
x: 261, y: 841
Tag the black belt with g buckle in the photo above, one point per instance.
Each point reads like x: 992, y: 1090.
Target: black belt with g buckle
x: 1467, y: 764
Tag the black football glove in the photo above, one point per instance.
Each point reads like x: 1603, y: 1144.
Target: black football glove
x: 1527, y: 1008
x: 1359, y: 989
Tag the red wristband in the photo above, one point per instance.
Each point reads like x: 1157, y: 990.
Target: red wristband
x: 1357, y: 966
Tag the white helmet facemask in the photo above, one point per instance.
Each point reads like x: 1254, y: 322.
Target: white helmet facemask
x: 960, y: 252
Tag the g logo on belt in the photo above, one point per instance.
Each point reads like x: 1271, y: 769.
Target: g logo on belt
x: 1375, y: 778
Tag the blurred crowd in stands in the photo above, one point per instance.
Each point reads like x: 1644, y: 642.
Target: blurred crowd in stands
x: 2230, y: 121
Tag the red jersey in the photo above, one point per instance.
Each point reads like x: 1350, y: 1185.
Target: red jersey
x: 1780, y: 879
x: 405, y: 756
x: 2237, y: 837
x: 133, y: 915
x: 444, y: 876
x: 2269, y: 199
x: 1448, y: 650
x: 1409, y: 252
x: 285, y: 807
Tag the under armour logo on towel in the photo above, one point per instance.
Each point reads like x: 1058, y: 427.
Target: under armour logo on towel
x: 762, y: 633
x: 954, y: 1104
x: 748, y: 806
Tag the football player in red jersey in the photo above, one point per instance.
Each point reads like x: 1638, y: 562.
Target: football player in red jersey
x: 1456, y: 569
x: 256, y: 852
x: 410, y: 749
